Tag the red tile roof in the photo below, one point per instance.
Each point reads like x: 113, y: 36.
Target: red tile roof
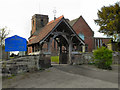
x: 45, y: 31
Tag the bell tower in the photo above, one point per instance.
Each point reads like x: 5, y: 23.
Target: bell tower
x: 38, y: 21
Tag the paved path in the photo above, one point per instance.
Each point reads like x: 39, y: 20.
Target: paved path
x: 61, y: 76
x: 91, y: 71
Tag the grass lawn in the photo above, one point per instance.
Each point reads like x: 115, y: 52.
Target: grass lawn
x: 55, y: 59
x: 11, y: 57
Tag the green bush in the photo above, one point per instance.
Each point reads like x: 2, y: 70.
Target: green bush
x: 103, y: 58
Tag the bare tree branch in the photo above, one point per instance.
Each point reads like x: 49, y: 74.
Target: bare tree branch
x: 3, y: 34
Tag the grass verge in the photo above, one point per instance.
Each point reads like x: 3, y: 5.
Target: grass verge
x: 55, y: 59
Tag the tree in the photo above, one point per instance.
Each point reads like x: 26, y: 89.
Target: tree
x: 3, y: 34
x: 109, y: 20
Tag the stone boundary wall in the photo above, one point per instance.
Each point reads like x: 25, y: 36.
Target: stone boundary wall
x: 25, y: 64
x: 116, y: 57
x: 82, y: 58
x: 37, y: 62
x: 85, y: 58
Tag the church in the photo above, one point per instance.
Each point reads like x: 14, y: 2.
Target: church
x: 62, y: 37
x: 56, y: 38
x: 42, y: 28
x: 85, y: 33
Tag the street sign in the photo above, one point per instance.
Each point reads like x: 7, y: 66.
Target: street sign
x: 15, y: 43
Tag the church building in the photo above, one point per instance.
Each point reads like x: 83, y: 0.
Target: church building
x: 56, y: 37
x: 62, y: 35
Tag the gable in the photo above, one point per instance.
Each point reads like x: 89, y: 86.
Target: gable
x: 80, y: 25
x: 72, y: 22
x: 60, y: 23
x: 76, y: 35
x: 44, y: 31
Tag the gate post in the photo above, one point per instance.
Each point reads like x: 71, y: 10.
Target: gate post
x: 70, y: 50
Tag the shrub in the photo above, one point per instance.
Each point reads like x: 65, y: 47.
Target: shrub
x: 103, y: 58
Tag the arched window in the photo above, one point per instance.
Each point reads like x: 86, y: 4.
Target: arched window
x: 81, y: 35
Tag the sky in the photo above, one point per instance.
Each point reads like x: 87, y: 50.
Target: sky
x: 16, y: 15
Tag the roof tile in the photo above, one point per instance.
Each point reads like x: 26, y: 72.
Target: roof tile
x: 45, y: 31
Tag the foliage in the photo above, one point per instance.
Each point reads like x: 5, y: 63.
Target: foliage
x: 55, y: 59
x: 12, y: 76
x: 103, y: 58
x: 109, y: 20
x: 3, y: 34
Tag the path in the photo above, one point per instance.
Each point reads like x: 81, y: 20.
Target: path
x: 62, y: 76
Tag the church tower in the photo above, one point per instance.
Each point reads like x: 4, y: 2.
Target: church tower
x: 38, y: 21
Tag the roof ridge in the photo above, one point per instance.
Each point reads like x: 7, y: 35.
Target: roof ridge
x: 55, y: 20
x: 46, y: 30
x: 87, y: 23
x: 74, y: 19
x: 72, y: 22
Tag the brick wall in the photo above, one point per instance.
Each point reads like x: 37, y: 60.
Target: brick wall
x: 82, y: 26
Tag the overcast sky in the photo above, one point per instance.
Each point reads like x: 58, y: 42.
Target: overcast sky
x: 17, y: 14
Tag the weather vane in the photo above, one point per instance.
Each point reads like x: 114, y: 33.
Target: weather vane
x: 54, y: 12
